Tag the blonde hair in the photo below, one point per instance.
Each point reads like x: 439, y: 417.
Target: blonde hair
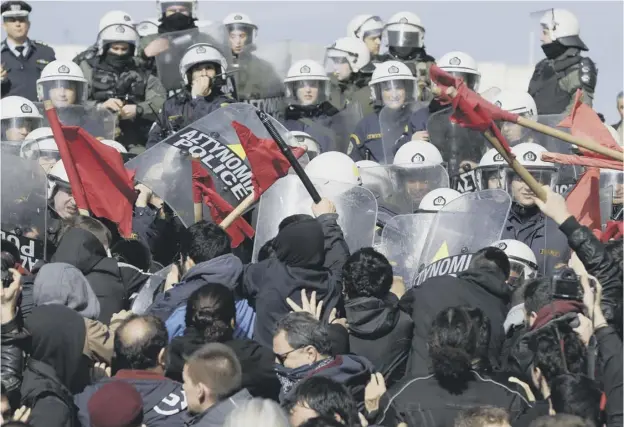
x: 257, y: 413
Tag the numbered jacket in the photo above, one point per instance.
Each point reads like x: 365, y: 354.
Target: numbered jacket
x: 164, y: 402
x: 365, y: 143
x: 314, y: 120
x: 555, y: 82
x: 180, y: 111
x: 22, y: 73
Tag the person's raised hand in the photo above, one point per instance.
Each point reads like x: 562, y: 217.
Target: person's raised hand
x: 554, y: 207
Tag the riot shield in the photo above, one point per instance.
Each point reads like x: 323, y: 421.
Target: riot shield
x: 23, y: 204
x: 174, y: 45
x: 402, y: 242
x: 100, y: 123
x: 216, y: 143
x: 461, y: 148
x: 356, y: 207
x: 606, y: 205
x: 395, y: 128
x: 298, y: 51
x: 461, y: 228
x: 400, y: 188
x: 259, y: 76
x: 343, y: 124
x: 611, y: 195
x: 148, y: 291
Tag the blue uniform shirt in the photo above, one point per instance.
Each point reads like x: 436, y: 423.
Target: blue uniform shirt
x: 24, y: 71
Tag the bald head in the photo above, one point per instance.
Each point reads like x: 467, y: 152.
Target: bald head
x: 139, y: 343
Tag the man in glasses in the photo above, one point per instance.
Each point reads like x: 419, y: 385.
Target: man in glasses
x: 22, y: 59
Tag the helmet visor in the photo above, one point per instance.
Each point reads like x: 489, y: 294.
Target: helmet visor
x: 405, y: 35
x: 471, y: 79
x: 240, y: 36
x: 519, y: 190
x: 337, y: 64
x: 16, y: 128
x: 63, y: 93
x: 171, y: 7
x: 489, y: 178
x: 394, y: 93
x: 308, y: 92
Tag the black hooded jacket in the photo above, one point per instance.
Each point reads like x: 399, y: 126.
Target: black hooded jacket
x: 309, y: 255
x: 380, y: 332
x: 84, y: 251
x: 58, y: 335
x: 480, y: 288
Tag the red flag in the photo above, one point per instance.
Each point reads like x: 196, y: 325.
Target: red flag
x: 204, y: 191
x: 585, y: 123
x: 584, y: 200
x: 100, y: 183
x: 571, y: 159
x: 268, y: 164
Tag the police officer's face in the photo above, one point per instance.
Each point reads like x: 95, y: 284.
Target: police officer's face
x: 119, y: 49
x: 172, y: 10
x: 17, y: 134
x: 203, y: 70
x: 521, y: 192
x: 47, y: 163
x: 373, y: 43
x: 511, y: 131
x: 65, y: 204
x: 238, y: 39
x: 16, y: 27
x: 618, y: 194
x: 393, y: 97
x: 63, y: 96
x: 307, y: 92
x: 342, y: 69
x: 546, y: 37
x: 493, y: 183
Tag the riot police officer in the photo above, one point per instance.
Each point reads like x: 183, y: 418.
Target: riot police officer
x: 307, y: 95
x: 40, y: 145
x: 521, y: 103
x: 119, y: 83
x: 526, y: 223
x: 113, y: 17
x: 347, y: 61
x: 19, y: 118
x: 557, y: 78
x: 367, y: 28
x: 202, y: 69
x: 22, y: 58
x: 392, y: 86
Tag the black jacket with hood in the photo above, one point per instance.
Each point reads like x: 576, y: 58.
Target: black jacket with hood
x: 84, y: 251
x: 58, y: 335
x: 381, y: 332
x: 480, y: 288
x: 310, y: 254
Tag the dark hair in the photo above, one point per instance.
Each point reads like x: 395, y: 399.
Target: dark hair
x: 537, y: 294
x: 367, y: 273
x: 139, y: 349
x: 615, y: 248
x: 322, y: 422
x: 326, y: 397
x: 577, y: 395
x: 92, y: 225
x: 204, y: 241
x: 482, y: 416
x: 302, y: 329
x: 453, y: 342
x: 133, y: 252
x: 210, y: 311
x: 491, y: 259
x: 551, y: 344
x: 10, y: 253
x: 292, y: 219
x: 484, y: 330
x: 216, y: 366
x: 267, y: 251
x: 561, y: 420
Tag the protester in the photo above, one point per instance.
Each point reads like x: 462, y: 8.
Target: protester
x: 116, y: 404
x: 483, y: 416
x: 257, y: 413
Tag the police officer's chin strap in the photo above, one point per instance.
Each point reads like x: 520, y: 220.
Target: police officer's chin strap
x: 409, y: 53
x: 294, y: 112
x: 554, y: 50
x: 176, y: 22
x: 524, y: 212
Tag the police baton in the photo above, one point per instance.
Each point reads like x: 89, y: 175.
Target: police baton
x: 286, y: 151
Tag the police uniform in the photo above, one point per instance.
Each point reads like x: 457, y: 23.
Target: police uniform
x: 256, y: 78
x: 419, y: 65
x: 315, y: 120
x: 355, y: 89
x: 23, y: 69
x: 554, y: 82
x: 365, y: 143
x: 181, y: 110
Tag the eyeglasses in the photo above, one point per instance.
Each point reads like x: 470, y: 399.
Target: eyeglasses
x: 282, y: 357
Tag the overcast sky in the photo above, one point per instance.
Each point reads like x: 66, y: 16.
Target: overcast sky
x: 489, y: 31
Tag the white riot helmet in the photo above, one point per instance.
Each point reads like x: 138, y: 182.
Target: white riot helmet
x: 460, y: 64
x: 163, y: 5
x: 562, y: 26
x: 241, y: 29
x: 202, y: 53
x: 147, y: 27
x: 363, y: 26
x: 436, y: 199
x: 347, y: 55
x: 63, y: 83
x: 58, y: 178
x: 20, y: 115
x: 115, y: 17
x: 375, y: 178
x: 40, y: 145
x: 387, y: 82
x: 403, y: 35
x: 517, y: 102
x: 334, y: 166
x: 118, y: 33
x: 306, y: 76
x: 114, y: 144
x: 489, y: 172
x: 521, y: 257
x: 305, y: 139
x: 418, y: 153
x: 529, y: 154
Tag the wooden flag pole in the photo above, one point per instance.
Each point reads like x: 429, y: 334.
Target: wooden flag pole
x: 238, y: 211
x: 198, y: 208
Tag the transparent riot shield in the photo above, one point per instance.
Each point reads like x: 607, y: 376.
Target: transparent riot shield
x: 23, y: 203
x: 461, y: 148
x: 298, y: 51
x: 395, y: 128
x: 343, y: 124
x: 259, y: 75
x: 173, y: 46
x: 213, y: 140
x: 461, y: 228
x: 611, y: 194
x: 148, y: 291
x: 99, y: 122
x: 606, y: 205
x: 402, y: 242
x: 400, y: 188
x: 356, y: 207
